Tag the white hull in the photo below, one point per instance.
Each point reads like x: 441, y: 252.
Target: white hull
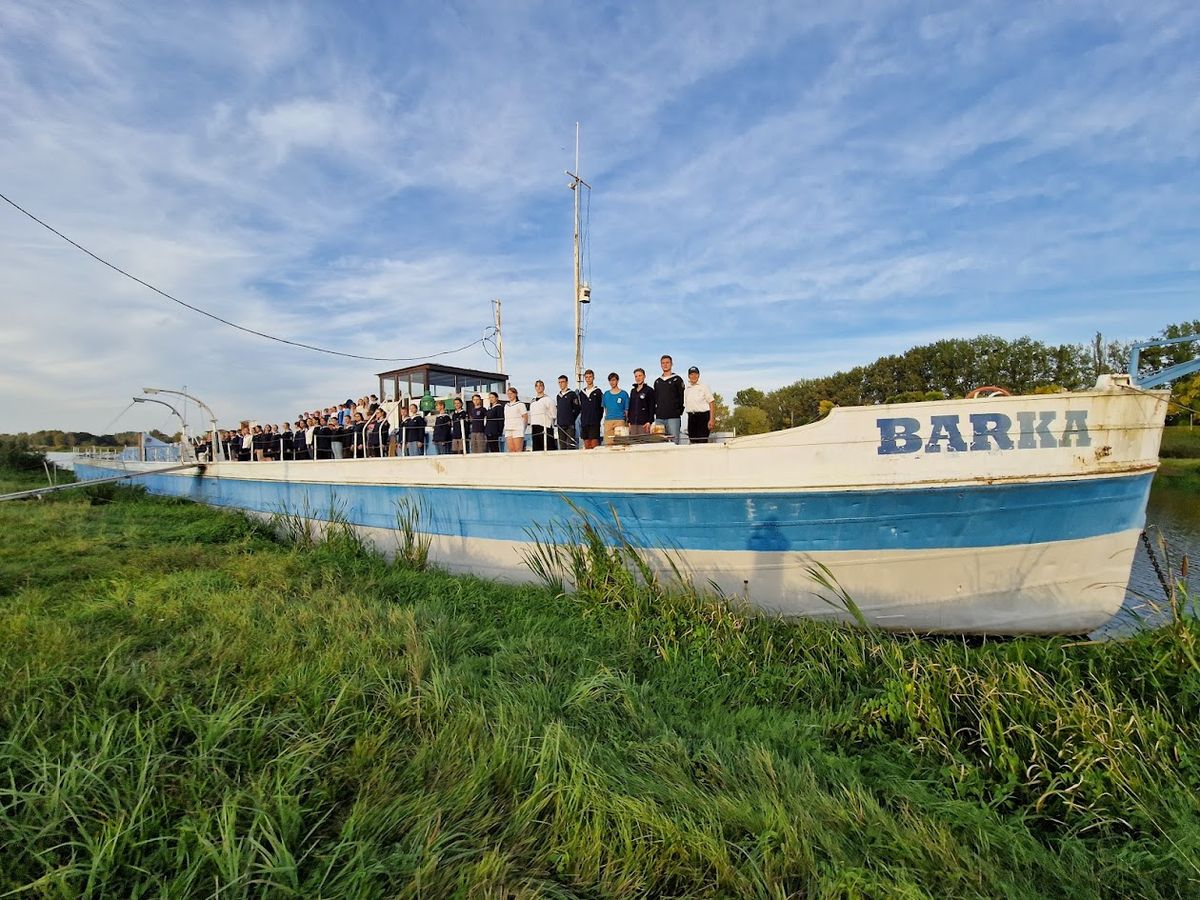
x: 1005, y: 515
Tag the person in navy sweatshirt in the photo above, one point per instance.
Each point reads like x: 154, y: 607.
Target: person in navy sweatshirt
x: 566, y: 412
x: 641, y: 404
x: 494, y: 423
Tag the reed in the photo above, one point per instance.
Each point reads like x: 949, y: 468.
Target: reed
x: 412, y: 544
x: 191, y: 705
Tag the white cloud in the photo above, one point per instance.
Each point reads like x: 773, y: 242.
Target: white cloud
x: 781, y: 189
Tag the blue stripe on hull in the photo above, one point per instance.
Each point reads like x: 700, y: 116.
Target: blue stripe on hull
x: 879, y: 519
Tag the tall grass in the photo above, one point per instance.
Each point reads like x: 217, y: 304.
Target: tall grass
x: 191, y: 705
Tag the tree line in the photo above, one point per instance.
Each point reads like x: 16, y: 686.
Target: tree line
x: 56, y: 439
x: 952, y: 367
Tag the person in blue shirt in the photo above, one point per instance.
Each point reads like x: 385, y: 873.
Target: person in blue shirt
x: 616, y: 405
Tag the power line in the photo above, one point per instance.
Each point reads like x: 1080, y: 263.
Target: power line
x: 216, y: 318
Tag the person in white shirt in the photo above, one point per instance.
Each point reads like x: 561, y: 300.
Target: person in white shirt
x: 700, y: 407
x: 516, y: 416
x: 541, y: 418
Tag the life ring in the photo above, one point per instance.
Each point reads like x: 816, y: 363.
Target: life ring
x: 988, y: 390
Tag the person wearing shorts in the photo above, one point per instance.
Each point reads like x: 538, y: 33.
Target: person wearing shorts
x: 516, y: 417
x: 591, y: 410
x: 616, y: 405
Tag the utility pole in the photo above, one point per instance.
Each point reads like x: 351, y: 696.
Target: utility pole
x: 499, y: 335
x: 583, y: 292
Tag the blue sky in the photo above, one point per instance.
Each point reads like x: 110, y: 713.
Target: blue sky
x: 781, y: 189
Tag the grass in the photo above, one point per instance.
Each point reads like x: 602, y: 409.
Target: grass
x: 1180, y: 442
x: 1179, y: 459
x: 191, y: 706
x: 1179, y: 474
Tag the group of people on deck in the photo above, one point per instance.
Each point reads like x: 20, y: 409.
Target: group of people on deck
x: 566, y: 421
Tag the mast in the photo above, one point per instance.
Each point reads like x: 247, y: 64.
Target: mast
x: 583, y: 291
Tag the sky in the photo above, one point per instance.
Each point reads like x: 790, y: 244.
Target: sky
x: 780, y: 190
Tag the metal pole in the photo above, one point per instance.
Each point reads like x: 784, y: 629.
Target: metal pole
x: 182, y: 423
x: 578, y: 321
x: 575, y: 184
x: 212, y: 418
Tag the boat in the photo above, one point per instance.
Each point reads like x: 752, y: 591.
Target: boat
x: 997, y: 514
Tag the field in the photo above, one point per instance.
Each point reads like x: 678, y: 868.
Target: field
x: 191, y: 706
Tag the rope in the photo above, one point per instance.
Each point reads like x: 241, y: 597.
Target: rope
x: 1168, y: 400
x: 216, y: 318
x: 116, y: 418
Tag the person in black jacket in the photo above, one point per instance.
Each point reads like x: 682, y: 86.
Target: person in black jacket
x: 300, y: 441
x: 414, y: 432
x: 477, y: 414
x: 458, y: 427
x: 591, y: 410
x: 641, y: 404
x: 376, y: 433
x: 493, y: 427
x: 323, y: 439
x: 566, y: 411
x: 668, y: 399
x: 442, y: 430
x: 258, y: 443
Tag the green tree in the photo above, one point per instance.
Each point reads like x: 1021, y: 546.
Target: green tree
x: 749, y: 420
x: 721, y: 408
x: 749, y: 397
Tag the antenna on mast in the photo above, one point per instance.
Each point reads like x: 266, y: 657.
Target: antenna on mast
x: 499, y: 334
x: 583, y: 290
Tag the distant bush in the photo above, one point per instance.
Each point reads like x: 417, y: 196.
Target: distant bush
x: 915, y: 397
x: 16, y: 454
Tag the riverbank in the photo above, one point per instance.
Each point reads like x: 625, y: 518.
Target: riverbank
x: 188, y: 705
x: 1179, y: 474
x: 1180, y: 442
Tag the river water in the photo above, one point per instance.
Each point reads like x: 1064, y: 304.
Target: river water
x: 1175, y: 515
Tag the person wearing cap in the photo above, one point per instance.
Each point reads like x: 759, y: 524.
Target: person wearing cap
x: 616, y: 405
x: 700, y: 407
x: 668, y: 399
x: 591, y: 410
x: 641, y: 404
